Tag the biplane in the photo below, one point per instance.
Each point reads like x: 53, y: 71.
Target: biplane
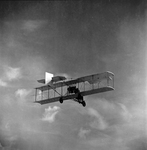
x: 59, y: 88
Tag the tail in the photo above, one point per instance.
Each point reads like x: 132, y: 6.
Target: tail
x: 48, y: 78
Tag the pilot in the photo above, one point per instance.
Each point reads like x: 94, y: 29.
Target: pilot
x: 76, y: 90
x: 73, y: 89
x: 70, y: 89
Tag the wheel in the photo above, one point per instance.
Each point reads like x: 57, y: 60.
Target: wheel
x: 84, y: 103
x: 61, y: 100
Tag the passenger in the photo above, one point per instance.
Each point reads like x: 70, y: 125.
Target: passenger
x: 77, y: 91
x: 80, y: 97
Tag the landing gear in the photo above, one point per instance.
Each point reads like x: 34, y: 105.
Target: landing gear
x: 80, y: 100
x: 83, y: 103
x: 61, y: 100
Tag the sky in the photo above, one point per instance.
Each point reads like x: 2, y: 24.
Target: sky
x: 75, y: 38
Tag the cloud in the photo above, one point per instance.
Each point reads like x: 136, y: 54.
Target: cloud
x: 9, y: 74
x: 83, y: 133
x: 139, y: 143
x: 32, y: 25
x: 50, y: 114
x: 114, y: 112
x: 106, y: 143
x: 2, y: 83
x: 22, y: 93
x: 99, y: 122
x: 126, y: 115
x: 12, y: 73
x: 0, y: 145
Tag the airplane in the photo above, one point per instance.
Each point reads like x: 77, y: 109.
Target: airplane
x: 59, y: 88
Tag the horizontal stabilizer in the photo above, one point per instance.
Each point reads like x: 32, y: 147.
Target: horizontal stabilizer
x: 41, y: 81
x: 58, y: 78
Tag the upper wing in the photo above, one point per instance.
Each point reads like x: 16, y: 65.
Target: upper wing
x: 91, y: 79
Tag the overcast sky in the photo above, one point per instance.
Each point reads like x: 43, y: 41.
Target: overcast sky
x: 76, y: 38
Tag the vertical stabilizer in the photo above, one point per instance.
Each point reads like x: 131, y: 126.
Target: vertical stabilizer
x: 48, y: 77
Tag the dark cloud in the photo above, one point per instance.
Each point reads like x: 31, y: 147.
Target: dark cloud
x: 138, y: 144
x: 75, y: 31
